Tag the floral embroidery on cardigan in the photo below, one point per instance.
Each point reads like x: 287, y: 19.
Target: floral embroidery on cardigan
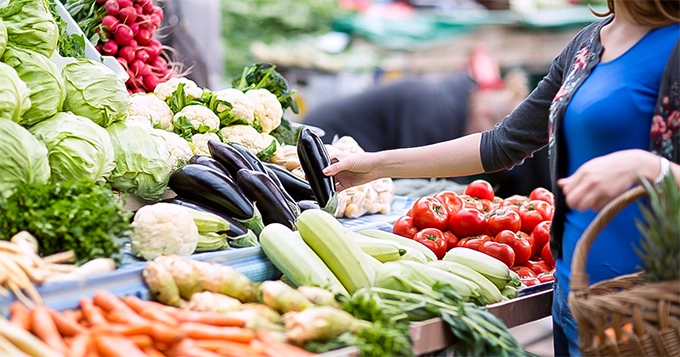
x: 666, y: 123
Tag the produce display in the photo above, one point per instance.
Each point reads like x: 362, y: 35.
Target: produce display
x: 514, y: 230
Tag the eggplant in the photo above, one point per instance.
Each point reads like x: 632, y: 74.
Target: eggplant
x: 298, y: 188
x: 229, y: 157
x: 236, y: 229
x: 214, y: 189
x: 291, y: 202
x: 254, y: 161
x: 210, y: 162
x: 307, y: 205
x: 268, y: 198
x: 313, y: 159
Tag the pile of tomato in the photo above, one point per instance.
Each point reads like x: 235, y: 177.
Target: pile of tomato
x: 514, y: 230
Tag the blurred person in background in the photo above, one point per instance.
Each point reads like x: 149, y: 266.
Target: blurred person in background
x: 609, y: 112
x: 421, y: 111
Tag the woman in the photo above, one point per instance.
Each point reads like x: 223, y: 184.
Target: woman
x: 608, y: 110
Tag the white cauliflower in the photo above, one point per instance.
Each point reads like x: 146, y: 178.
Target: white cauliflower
x: 164, y: 90
x: 180, y: 151
x: 139, y: 119
x: 200, y: 142
x: 268, y: 110
x: 201, y: 118
x: 247, y: 136
x: 242, y: 107
x: 163, y: 229
x: 153, y: 109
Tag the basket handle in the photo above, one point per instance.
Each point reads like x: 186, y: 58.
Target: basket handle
x: 580, y: 281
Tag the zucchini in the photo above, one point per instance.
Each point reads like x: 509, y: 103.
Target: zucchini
x: 336, y: 247
x: 296, y: 260
x: 409, y: 243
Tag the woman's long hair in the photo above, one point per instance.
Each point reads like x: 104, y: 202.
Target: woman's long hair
x: 654, y: 13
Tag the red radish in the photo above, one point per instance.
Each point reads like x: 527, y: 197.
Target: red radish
x: 131, y: 77
x: 112, y: 7
x: 123, y: 35
x: 110, y: 48
x: 142, y: 55
x: 123, y: 62
x: 98, y: 48
x: 159, y: 65
x: 124, y: 3
x: 143, y: 36
x: 147, y: 6
x: 127, y: 15
x: 138, y: 8
x: 144, y: 21
x: 127, y: 53
x: 158, y: 11
x: 139, y: 68
x: 155, y: 20
x: 100, y: 2
x: 134, y: 27
x: 133, y: 44
x: 150, y: 82
x: 110, y: 22
x: 153, y: 49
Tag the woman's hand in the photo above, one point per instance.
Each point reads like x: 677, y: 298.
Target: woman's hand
x: 352, y: 170
x: 601, y: 179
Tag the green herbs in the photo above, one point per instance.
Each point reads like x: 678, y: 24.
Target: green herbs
x: 76, y: 215
x: 72, y: 45
x: 660, y: 251
x: 265, y: 76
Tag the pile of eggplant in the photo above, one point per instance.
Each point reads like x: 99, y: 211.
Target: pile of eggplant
x: 235, y: 185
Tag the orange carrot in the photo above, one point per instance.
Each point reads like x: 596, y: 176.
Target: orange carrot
x: 203, y: 331
x: 115, y: 346
x: 152, y: 352
x: 233, y: 348
x: 123, y: 329
x: 276, y: 348
x: 148, y: 311
x: 65, y: 325
x: 141, y: 341
x: 19, y: 315
x: 115, y: 308
x: 208, y: 318
x: 187, y: 348
x: 80, y: 345
x: 167, y: 334
x: 91, y: 313
x: 44, y: 327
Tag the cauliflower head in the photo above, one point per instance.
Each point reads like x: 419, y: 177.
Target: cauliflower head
x: 247, y: 136
x: 138, y: 119
x: 153, y: 109
x: 268, y: 110
x: 202, y: 119
x: 164, y: 90
x: 242, y: 107
x: 180, y: 151
x: 200, y: 143
x: 163, y: 229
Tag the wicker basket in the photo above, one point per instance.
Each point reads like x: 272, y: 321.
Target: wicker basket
x: 624, y: 316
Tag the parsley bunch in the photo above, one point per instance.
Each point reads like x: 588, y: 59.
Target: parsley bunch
x: 78, y: 215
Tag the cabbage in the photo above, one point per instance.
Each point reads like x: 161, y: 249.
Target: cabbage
x: 43, y: 78
x: 30, y: 25
x: 14, y: 94
x: 95, y: 91
x: 142, y: 160
x: 23, y: 159
x: 77, y: 148
x: 3, y: 37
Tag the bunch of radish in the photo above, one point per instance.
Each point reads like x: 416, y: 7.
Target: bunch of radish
x: 126, y: 32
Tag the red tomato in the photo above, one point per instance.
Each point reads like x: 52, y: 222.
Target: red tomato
x: 520, y: 245
x: 429, y: 213
x: 451, y: 240
x: 529, y: 281
x: 523, y: 271
x: 543, y: 194
x: 545, y: 277
x: 514, y: 200
x: 467, y: 222
x: 450, y: 200
x: 433, y: 239
x: 541, y: 235
x: 409, y: 213
x: 500, y: 251
x: 538, y: 267
x: 533, y: 213
x: 497, y: 201
x: 471, y: 202
x: 404, y: 227
x: 480, y: 189
x: 487, y: 205
x: 547, y: 256
x: 473, y: 242
x: 502, y: 219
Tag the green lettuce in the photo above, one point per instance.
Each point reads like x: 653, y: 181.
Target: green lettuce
x: 44, y: 80
x: 23, y: 159
x: 3, y: 37
x: 95, y: 91
x: 142, y: 160
x: 78, y: 149
x: 30, y: 25
x: 14, y: 94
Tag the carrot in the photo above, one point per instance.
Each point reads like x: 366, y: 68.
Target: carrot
x: 115, y: 346
x: 19, y: 315
x: 115, y: 308
x: 203, y: 331
x: 148, y: 311
x: 167, y: 334
x: 123, y: 329
x: 208, y: 318
x: 91, y: 313
x: 80, y: 345
x: 187, y: 348
x: 152, y: 352
x: 232, y: 348
x: 44, y: 327
x: 141, y: 341
x: 276, y: 348
x: 65, y: 325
